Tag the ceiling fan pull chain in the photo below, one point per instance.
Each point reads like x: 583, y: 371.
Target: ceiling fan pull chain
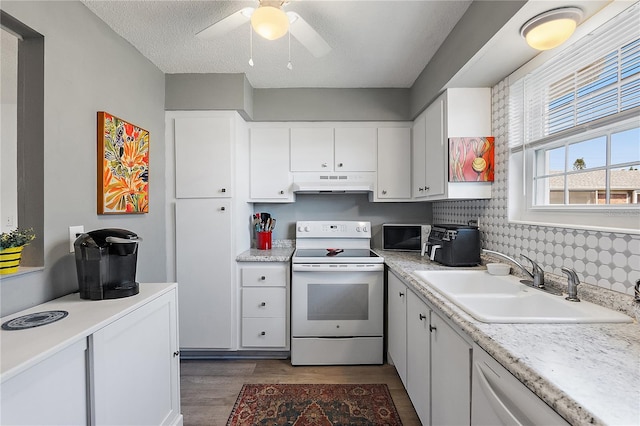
x: 289, y: 66
x: 250, y: 46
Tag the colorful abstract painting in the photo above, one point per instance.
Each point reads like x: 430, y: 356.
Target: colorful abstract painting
x: 123, y: 166
x: 471, y: 159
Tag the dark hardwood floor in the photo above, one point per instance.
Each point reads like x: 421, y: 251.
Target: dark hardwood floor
x: 210, y: 388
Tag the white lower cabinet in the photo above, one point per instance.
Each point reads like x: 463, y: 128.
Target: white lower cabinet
x: 264, y: 293
x: 438, y: 359
x: 450, y: 375
x: 136, y: 367
x: 418, y: 357
x: 52, y: 392
x: 123, y: 367
x: 397, y: 326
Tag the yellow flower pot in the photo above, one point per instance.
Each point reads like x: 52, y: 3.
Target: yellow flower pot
x: 10, y: 260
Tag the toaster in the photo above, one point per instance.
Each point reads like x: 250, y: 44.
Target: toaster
x: 454, y: 245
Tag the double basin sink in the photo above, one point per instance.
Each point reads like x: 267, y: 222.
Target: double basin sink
x: 504, y: 299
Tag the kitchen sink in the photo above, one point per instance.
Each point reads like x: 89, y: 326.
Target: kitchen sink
x: 504, y: 299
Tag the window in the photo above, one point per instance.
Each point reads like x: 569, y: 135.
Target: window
x: 595, y: 168
x: 574, y: 132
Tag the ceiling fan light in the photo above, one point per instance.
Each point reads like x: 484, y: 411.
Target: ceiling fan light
x: 552, y: 28
x: 270, y: 22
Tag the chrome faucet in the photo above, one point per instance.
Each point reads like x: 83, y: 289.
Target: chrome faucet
x: 572, y: 284
x: 536, y: 274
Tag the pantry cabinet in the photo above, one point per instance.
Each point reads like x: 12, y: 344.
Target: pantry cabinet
x: 394, y: 158
x: 437, y: 372
x: 203, y: 156
x: 204, y: 265
x: 456, y: 113
x: 270, y: 178
x: 265, y: 300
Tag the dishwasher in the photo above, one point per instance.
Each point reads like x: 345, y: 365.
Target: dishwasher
x: 498, y: 398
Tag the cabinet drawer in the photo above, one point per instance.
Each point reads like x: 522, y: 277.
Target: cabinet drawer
x: 264, y: 276
x: 264, y: 302
x: 262, y: 332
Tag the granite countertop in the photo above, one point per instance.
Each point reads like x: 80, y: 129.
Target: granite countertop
x: 588, y: 373
x: 276, y: 254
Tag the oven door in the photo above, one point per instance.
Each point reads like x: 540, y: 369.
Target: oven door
x: 337, y: 300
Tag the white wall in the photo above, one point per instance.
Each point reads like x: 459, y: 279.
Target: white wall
x: 8, y: 119
x: 88, y: 68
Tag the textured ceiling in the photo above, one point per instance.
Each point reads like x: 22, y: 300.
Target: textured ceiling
x: 374, y: 43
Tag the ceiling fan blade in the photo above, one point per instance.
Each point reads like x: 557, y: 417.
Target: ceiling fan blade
x: 307, y: 36
x: 227, y: 24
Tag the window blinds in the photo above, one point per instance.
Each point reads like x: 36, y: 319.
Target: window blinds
x: 596, y: 77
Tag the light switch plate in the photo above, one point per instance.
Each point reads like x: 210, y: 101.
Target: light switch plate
x: 73, y: 232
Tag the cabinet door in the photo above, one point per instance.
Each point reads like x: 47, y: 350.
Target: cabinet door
x: 203, y: 157
x: 450, y: 375
x: 136, y: 367
x: 269, y: 164
x: 203, y: 269
x: 418, y: 377
x: 394, y: 163
x: 397, y: 325
x: 52, y: 392
x: 418, y: 157
x: 436, y: 165
x: 355, y: 149
x: 311, y: 150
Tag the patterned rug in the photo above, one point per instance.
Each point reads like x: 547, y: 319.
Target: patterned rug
x: 314, y: 405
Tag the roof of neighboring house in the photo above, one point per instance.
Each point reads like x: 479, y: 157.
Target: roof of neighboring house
x: 595, y: 180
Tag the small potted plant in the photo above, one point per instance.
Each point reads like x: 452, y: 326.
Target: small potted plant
x: 11, y: 245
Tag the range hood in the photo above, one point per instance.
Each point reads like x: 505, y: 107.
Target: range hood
x: 333, y: 183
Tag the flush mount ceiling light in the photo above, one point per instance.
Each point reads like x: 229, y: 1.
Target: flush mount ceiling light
x: 552, y: 28
x: 269, y: 20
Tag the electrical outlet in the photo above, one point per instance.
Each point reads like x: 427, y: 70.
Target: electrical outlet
x: 9, y: 221
x: 74, y: 231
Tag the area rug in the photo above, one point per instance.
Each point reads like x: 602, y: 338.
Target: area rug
x: 314, y: 405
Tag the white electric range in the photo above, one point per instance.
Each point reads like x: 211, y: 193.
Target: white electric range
x: 337, y: 292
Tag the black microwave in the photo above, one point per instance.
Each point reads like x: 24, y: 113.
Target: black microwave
x: 404, y: 237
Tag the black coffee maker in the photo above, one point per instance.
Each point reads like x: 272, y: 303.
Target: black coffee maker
x: 106, y: 263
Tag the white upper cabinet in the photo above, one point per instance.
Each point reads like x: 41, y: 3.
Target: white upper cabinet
x: 355, y: 149
x: 328, y: 149
x: 311, y: 149
x: 456, y: 113
x: 270, y: 179
x: 394, y: 158
x: 203, y: 157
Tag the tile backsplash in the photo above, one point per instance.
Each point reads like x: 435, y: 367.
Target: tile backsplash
x: 609, y: 260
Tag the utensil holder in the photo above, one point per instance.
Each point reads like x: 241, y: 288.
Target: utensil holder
x: 264, y: 240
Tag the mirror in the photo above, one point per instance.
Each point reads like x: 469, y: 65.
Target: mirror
x: 22, y: 162
x: 8, y: 137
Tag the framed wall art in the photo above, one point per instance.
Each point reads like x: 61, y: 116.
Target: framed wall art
x: 123, y: 166
x: 471, y: 159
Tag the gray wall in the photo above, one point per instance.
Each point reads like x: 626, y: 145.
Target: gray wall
x: 88, y: 68
x: 481, y: 21
x: 343, y: 207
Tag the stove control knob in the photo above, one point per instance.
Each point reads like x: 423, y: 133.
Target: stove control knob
x: 307, y: 229
x: 300, y: 228
x: 364, y: 229
x: 357, y: 229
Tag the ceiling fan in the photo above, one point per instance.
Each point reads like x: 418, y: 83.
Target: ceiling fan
x: 271, y: 22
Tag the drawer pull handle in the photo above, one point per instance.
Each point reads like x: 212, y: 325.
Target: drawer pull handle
x: 281, y: 192
x: 264, y: 333
x: 263, y: 278
x: 263, y: 304
x: 432, y: 328
x: 223, y: 190
x: 176, y: 353
x: 222, y: 209
x: 422, y: 317
x: 401, y: 294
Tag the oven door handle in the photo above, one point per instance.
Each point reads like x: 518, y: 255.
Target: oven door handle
x: 341, y: 267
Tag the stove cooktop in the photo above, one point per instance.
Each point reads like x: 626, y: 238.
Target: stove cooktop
x: 336, y: 255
